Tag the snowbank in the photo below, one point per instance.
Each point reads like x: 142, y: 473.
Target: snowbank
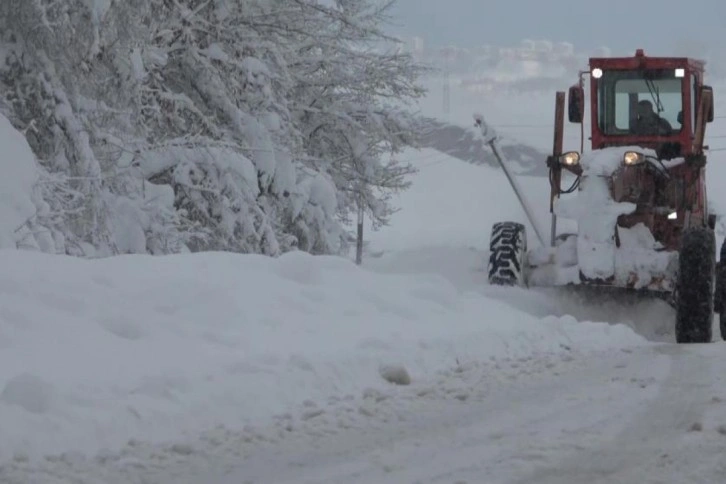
x: 96, y: 352
x: 19, y: 175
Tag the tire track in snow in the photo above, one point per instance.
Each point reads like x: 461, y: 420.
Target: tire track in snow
x: 663, y: 440
x: 492, y: 440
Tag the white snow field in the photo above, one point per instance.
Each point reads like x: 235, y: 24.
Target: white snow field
x: 222, y: 368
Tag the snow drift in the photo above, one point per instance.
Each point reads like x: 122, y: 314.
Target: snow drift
x: 16, y: 184
x: 96, y: 352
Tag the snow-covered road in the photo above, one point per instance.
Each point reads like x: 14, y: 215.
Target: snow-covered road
x: 649, y: 414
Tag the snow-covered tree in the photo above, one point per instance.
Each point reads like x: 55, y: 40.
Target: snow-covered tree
x: 168, y: 125
x: 352, y: 87
x: 60, y: 86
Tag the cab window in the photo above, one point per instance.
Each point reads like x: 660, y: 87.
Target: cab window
x: 625, y: 96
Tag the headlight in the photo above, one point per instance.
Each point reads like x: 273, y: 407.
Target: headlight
x: 571, y: 158
x: 631, y: 158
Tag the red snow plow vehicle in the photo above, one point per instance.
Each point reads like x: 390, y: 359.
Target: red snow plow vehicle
x: 638, y: 197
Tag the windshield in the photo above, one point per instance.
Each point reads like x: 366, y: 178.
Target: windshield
x: 643, y: 102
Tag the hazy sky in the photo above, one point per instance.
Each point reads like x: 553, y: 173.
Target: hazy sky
x: 660, y: 26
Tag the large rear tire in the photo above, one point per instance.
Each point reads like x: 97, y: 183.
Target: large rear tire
x: 507, y: 254
x: 720, y: 296
x: 694, y: 286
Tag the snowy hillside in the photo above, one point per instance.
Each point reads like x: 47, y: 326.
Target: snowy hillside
x: 465, y: 144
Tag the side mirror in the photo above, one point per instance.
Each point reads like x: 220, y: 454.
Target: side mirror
x: 576, y: 104
x: 709, y: 108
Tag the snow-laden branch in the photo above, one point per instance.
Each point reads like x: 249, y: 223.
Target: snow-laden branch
x: 167, y: 125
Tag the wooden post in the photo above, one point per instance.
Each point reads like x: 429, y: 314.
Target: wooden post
x: 359, y: 238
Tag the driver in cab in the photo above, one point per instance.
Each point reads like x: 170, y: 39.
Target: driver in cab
x: 647, y: 121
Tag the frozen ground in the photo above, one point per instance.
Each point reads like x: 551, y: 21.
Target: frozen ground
x: 222, y: 368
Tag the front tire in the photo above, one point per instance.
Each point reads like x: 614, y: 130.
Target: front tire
x: 507, y: 254
x: 694, y: 298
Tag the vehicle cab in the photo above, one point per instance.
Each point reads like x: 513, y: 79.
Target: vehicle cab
x: 652, y: 102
